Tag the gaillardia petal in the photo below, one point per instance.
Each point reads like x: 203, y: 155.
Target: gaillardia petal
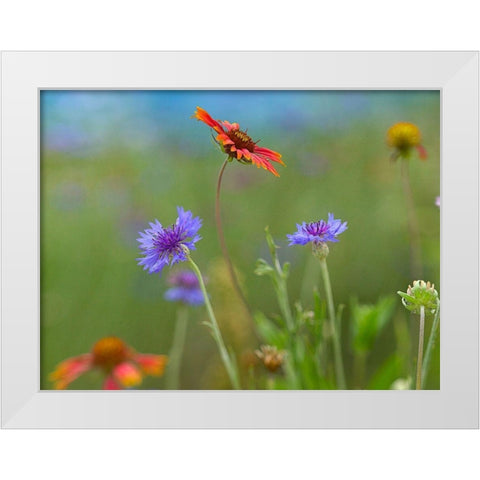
x: 238, y: 145
x: 121, y: 365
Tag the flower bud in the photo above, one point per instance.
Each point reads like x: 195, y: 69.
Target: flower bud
x: 422, y: 294
x: 320, y: 250
x: 271, y: 357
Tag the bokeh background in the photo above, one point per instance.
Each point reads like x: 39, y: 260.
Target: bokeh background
x: 111, y: 161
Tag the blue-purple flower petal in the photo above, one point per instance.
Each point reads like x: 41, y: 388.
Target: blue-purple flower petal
x: 185, y: 288
x: 162, y: 246
x: 185, y: 295
x: 318, y: 232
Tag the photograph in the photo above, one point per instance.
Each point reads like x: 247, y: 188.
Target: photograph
x: 239, y: 239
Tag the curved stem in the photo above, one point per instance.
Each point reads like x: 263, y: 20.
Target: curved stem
x: 420, y: 348
x: 176, y: 352
x: 337, y: 349
x: 217, y: 336
x: 431, y: 343
x: 223, y: 245
x: 414, y: 230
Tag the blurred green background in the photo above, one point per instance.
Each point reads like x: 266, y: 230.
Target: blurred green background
x: 114, y: 160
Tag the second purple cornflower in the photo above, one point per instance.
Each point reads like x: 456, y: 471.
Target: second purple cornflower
x: 163, y: 246
x: 184, y: 288
x: 318, y: 232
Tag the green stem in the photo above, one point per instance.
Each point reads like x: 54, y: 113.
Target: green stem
x: 284, y: 304
x: 415, y: 246
x: 223, y: 244
x: 290, y: 366
x: 270, y: 382
x: 431, y: 343
x: 337, y: 349
x: 279, y: 279
x: 420, y: 348
x: 176, y: 352
x: 217, y: 336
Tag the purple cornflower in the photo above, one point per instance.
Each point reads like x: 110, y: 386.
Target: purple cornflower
x: 185, y: 289
x: 318, y: 232
x: 163, y: 246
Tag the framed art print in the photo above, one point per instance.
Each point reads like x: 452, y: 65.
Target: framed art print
x: 184, y: 248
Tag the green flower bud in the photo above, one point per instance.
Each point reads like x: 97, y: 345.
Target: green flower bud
x: 320, y: 250
x: 422, y: 294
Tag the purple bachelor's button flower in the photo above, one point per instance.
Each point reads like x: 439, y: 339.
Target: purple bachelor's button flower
x: 318, y: 232
x: 185, y: 289
x: 163, y: 246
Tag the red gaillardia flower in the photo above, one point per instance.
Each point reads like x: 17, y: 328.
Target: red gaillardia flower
x: 123, y: 367
x: 238, y: 145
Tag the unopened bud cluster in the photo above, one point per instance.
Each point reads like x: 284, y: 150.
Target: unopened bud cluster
x: 271, y: 357
x: 421, y: 294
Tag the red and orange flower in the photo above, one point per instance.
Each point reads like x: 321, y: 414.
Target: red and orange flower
x: 122, y: 366
x: 238, y: 145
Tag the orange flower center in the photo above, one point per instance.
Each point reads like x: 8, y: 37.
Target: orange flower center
x: 109, y: 352
x: 241, y: 140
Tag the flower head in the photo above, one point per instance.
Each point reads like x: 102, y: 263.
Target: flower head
x: 163, y: 246
x: 238, y: 145
x: 122, y: 366
x: 404, y: 136
x: 271, y: 357
x: 318, y: 232
x: 422, y: 294
x: 437, y: 202
x: 185, y: 288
